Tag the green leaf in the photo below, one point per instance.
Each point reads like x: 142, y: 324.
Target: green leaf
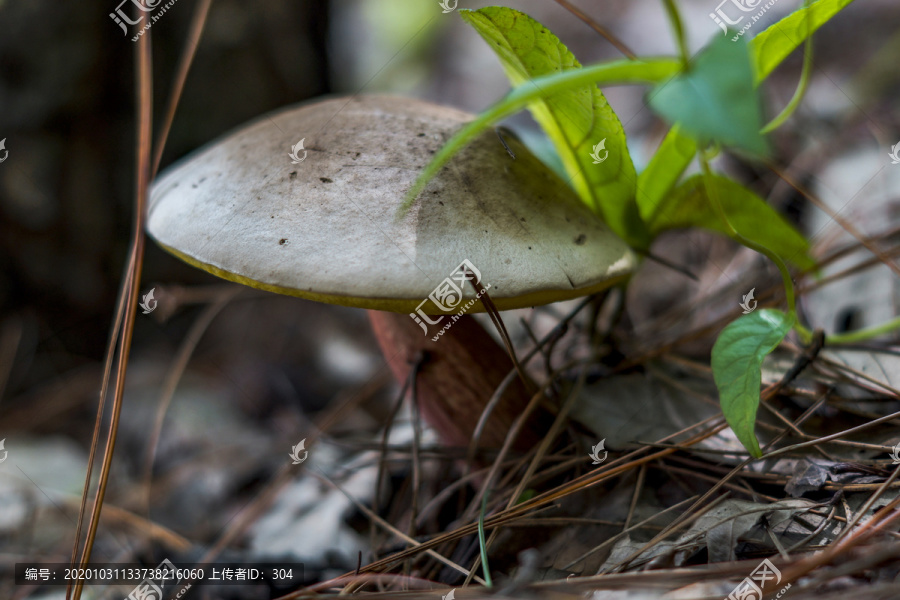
x: 577, y: 121
x: 774, y: 44
x: 619, y: 72
x: 689, y: 206
x: 664, y: 170
x: 715, y: 100
x: 736, y: 364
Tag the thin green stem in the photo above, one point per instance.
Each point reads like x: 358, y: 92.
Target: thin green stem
x: 864, y: 334
x: 678, y: 28
x: 805, y: 334
x: 481, y: 542
x: 800, y: 92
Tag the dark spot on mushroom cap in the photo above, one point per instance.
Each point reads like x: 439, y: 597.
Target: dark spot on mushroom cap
x: 325, y: 180
x: 293, y: 174
x: 282, y: 242
x: 529, y: 247
x: 421, y: 135
x: 580, y: 239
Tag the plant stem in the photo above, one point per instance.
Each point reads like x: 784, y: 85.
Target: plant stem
x: 805, y: 334
x: 805, y: 74
x: 678, y: 28
x: 864, y: 334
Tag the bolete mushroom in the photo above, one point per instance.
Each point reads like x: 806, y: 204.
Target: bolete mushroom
x: 326, y: 230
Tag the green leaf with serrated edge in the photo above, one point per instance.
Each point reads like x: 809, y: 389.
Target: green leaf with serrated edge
x: 663, y: 171
x: 736, y: 365
x: 620, y: 72
x: 775, y: 43
x: 689, y: 206
x: 715, y: 99
x: 577, y: 121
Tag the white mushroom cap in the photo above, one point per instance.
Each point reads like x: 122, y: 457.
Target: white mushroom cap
x: 326, y: 229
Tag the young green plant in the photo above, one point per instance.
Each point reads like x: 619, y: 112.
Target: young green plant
x: 711, y: 100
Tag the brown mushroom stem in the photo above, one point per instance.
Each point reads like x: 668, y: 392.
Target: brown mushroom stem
x: 460, y: 373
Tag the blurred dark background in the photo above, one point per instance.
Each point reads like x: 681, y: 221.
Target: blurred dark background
x: 66, y: 190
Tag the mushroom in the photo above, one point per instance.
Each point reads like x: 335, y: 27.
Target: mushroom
x: 326, y: 230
